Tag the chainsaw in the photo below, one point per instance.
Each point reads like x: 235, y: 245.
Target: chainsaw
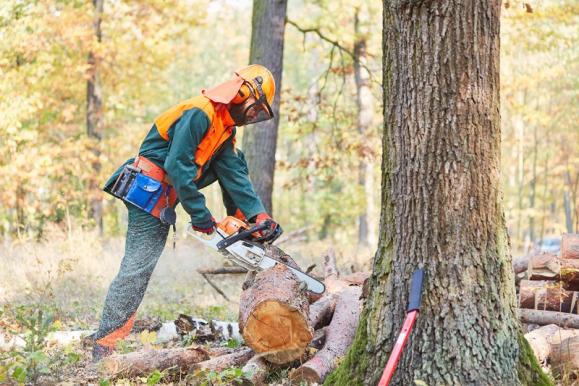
x: 239, y: 242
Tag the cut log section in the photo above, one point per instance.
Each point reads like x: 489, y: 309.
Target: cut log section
x: 549, y: 267
x: 274, y: 315
x: 236, y: 359
x: 565, y: 355
x: 544, y: 318
x: 535, y: 260
x: 544, y: 338
x: 339, y: 336
x: 145, y: 361
x: 570, y: 246
x: 547, y: 296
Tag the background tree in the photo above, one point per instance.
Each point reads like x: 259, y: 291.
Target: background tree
x: 441, y: 206
x: 260, y: 142
x: 365, y: 105
x: 94, y: 114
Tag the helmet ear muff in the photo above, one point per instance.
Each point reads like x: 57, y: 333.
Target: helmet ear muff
x: 241, y: 95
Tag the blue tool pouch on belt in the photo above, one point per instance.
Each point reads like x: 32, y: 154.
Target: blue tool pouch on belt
x: 138, y: 189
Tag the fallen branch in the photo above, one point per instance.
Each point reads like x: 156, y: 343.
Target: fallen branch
x: 222, y: 271
x: 216, y: 288
x: 297, y: 235
x: 145, y: 361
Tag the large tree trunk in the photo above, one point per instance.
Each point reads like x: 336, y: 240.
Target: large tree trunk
x: 441, y: 207
x: 94, y: 117
x: 273, y: 315
x: 365, y: 105
x: 260, y: 141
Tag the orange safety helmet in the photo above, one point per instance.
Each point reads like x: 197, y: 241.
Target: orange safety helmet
x: 254, y: 81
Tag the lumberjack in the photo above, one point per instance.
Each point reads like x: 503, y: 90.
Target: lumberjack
x: 189, y: 147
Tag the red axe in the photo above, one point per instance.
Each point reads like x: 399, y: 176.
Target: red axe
x: 411, y: 315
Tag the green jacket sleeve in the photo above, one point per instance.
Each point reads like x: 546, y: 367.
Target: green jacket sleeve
x: 233, y: 175
x: 180, y: 163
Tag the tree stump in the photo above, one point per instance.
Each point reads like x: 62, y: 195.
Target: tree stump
x: 274, y: 315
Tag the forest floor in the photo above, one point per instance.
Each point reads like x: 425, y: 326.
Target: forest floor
x: 59, y: 284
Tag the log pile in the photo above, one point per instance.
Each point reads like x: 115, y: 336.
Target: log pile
x: 281, y: 323
x: 548, y: 296
x: 548, y: 283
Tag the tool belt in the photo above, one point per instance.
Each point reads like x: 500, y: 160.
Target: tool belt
x: 147, y: 186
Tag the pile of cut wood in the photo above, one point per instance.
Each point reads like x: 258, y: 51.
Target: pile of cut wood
x: 282, y: 325
x: 548, y: 294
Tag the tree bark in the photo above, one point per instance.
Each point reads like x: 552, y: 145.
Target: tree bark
x: 441, y: 207
x: 94, y: 117
x: 273, y: 315
x: 547, y: 296
x: 145, y: 361
x: 365, y: 105
x: 544, y: 318
x: 260, y: 141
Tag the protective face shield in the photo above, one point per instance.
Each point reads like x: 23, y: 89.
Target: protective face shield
x: 254, y: 107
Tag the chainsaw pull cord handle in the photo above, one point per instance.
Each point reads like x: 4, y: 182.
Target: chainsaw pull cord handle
x: 242, y: 235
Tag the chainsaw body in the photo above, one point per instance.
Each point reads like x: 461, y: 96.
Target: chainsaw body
x: 233, y: 237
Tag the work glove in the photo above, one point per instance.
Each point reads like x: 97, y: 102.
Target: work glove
x: 206, y: 226
x: 272, y: 232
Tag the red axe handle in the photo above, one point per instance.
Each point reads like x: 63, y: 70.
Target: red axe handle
x: 411, y: 315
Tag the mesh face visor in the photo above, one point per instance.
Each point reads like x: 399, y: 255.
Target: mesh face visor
x: 258, y: 110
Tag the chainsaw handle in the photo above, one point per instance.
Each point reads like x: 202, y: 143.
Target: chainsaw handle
x: 416, y: 290
x: 241, y: 235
